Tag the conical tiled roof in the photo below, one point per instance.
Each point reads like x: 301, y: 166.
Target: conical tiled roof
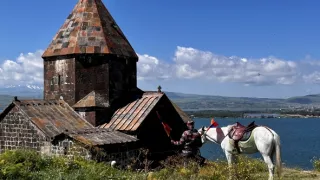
x: 90, y: 29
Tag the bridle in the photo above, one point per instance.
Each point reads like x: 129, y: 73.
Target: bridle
x: 213, y: 140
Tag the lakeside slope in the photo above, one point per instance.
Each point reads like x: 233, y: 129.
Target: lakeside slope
x: 21, y: 164
x: 208, y: 102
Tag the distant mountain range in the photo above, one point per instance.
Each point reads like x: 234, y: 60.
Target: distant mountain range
x: 33, y: 91
x: 185, y: 101
x: 208, y: 102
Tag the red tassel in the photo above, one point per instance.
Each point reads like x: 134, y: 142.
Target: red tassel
x: 167, y: 128
x: 214, y: 123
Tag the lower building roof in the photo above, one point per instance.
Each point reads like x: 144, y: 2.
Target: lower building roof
x: 54, y: 118
x: 130, y: 117
x: 96, y: 137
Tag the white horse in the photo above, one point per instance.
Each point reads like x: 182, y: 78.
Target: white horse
x: 263, y: 140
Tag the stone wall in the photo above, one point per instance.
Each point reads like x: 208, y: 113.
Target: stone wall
x: 91, y: 75
x: 89, y: 116
x: 17, y: 132
x: 66, y: 146
x: 122, y: 78
x: 59, y: 79
x: 123, y: 158
x: 95, y: 116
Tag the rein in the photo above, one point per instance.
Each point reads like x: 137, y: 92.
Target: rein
x: 208, y: 137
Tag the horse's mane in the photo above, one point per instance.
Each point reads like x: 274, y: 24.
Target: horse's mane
x: 229, y: 126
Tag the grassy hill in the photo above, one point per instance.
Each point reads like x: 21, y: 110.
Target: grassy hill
x: 207, y: 102
x: 309, y: 99
x: 21, y: 164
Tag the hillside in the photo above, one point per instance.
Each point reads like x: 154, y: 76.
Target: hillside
x: 199, y: 102
x: 309, y: 99
x: 22, y: 164
x: 206, y: 102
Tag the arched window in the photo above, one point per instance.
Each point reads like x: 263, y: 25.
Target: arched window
x: 59, y: 80
x: 52, y: 84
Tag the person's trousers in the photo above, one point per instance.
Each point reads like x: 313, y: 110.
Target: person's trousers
x: 193, y: 156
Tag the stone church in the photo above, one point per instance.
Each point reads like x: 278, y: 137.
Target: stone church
x: 91, y: 99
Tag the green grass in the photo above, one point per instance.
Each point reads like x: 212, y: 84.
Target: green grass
x: 22, y: 164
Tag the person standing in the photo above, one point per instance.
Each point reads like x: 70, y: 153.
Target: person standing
x: 191, y: 142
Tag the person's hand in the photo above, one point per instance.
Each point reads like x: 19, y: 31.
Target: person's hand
x: 172, y: 141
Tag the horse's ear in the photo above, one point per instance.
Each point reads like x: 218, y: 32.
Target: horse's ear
x: 202, y: 128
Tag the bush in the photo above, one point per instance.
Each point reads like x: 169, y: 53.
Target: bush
x: 246, y: 169
x: 316, y: 164
x: 23, y: 164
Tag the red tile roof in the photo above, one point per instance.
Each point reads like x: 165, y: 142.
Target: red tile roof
x: 130, y: 117
x: 90, y: 29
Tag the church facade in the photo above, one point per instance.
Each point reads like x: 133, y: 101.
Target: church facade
x: 91, y: 99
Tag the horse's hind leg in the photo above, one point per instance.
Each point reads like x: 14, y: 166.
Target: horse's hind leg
x: 268, y: 161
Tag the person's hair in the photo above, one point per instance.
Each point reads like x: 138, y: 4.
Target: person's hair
x: 190, y: 123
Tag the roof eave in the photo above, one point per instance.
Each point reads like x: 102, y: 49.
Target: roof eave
x: 47, y: 54
x: 6, y: 111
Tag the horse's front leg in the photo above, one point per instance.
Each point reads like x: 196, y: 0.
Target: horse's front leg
x: 230, y: 158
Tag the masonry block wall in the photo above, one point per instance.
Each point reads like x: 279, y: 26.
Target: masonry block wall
x: 17, y: 132
x: 95, y: 116
x: 91, y: 74
x: 67, y: 147
x: 122, y: 77
x: 74, y: 78
x: 59, y: 79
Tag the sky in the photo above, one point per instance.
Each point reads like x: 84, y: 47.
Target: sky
x: 229, y: 48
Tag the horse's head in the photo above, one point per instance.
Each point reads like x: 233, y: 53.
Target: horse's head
x: 202, y: 132
x: 215, y: 135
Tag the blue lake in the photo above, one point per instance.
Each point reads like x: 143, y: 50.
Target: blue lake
x: 300, y: 141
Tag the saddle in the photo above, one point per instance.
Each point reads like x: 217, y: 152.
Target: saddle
x: 238, y: 131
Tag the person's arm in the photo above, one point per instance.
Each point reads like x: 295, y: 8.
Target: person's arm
x: 182, y: 139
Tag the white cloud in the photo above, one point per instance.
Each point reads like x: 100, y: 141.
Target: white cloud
x: 313, y: 78
x: 188, y: 63
x: 150, y: 68
x: 27, y: 69
x: 204, y: 64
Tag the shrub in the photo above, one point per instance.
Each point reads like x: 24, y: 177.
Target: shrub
x: 316, y: 164
x: 246, y: 168
x: 24, y: 164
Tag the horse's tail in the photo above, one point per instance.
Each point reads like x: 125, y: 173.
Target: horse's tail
x: 276, y: 139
